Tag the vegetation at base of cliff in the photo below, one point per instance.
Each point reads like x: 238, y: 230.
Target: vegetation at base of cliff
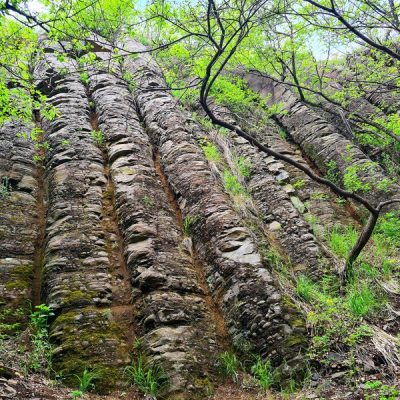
x: 147, y: 376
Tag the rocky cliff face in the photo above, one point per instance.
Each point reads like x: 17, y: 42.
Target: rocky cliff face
x: 126, y: 230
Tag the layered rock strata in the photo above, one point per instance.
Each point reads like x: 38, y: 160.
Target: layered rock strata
x: 175, y: 314
x: 19, y: 224
x: 77, y: 270
x: 277, y: 201
x: 322, y: 142
x: 254, y: 309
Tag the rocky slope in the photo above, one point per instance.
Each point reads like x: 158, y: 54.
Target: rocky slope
x: 119, y: 221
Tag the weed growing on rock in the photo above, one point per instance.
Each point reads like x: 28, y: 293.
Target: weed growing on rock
x: 40, y: 358
x: 189, y: 223
x: 5, y: 188
x: 299, y: 184
x: 149, y: 378
x: 232, y: 184
x: 243, y: 165
x: 229, y: 365
x: 98, y: 137
x: 210, y: 151
x: 262, y: 371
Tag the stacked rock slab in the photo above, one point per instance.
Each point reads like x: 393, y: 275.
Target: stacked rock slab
x: 176, y: 327
x: 19, y: 225
x: 76, y: 278
x: 321, y: 141
x: 254, y: 309
x: 279, y: 207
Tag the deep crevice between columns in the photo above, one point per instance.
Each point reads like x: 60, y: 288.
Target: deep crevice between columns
x: 224, y: 340
x: 122, y: 309
x: 41, y: 216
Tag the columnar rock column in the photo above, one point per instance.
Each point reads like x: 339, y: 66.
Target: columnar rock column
x: 19, y: 223
x: 322, y: 142
x: 255, y: 311
x: 278, y: 206
x: 175, y: 311
x: 76, y: 277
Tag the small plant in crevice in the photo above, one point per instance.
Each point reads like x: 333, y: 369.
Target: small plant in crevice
x: 299, y: 184
x: 332, y: 172
x: 148, y: 377
x: 189, y: 223
x: 243, y: 165
x: 232, y: 184
x: 5, y: 187
x: 98, y: 137
x: 229, y: 365
x: 210, y: 151
x: 147, y: 201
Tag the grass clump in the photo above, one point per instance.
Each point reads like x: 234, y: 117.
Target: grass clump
x: 149, y: 378
x: 85, y: 383
x: 232, y: 184
x: 211, y: 151
x: 263, y: 373
x: 229, y: 366
x: 305, y: 288
x: 362, y: 301
x: 341, y: 241
x: 243, y: 165
x: 189, y: 223
x: 5, y: 188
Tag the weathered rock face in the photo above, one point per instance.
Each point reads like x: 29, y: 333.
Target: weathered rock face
x: 174, y: 316
x: 77, y: 271
x: 128, y: 232
x: 19, y: 223
x: 241, y: 284
x: 322, y: 142
x: 277, y: 201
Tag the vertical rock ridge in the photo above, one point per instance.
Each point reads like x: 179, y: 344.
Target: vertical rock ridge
x: 19, y: 222
x: 175, y: 324
x: 322, y: 142
x: 77, y: 283
x: 278, y: 208
x: 249, y: 297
